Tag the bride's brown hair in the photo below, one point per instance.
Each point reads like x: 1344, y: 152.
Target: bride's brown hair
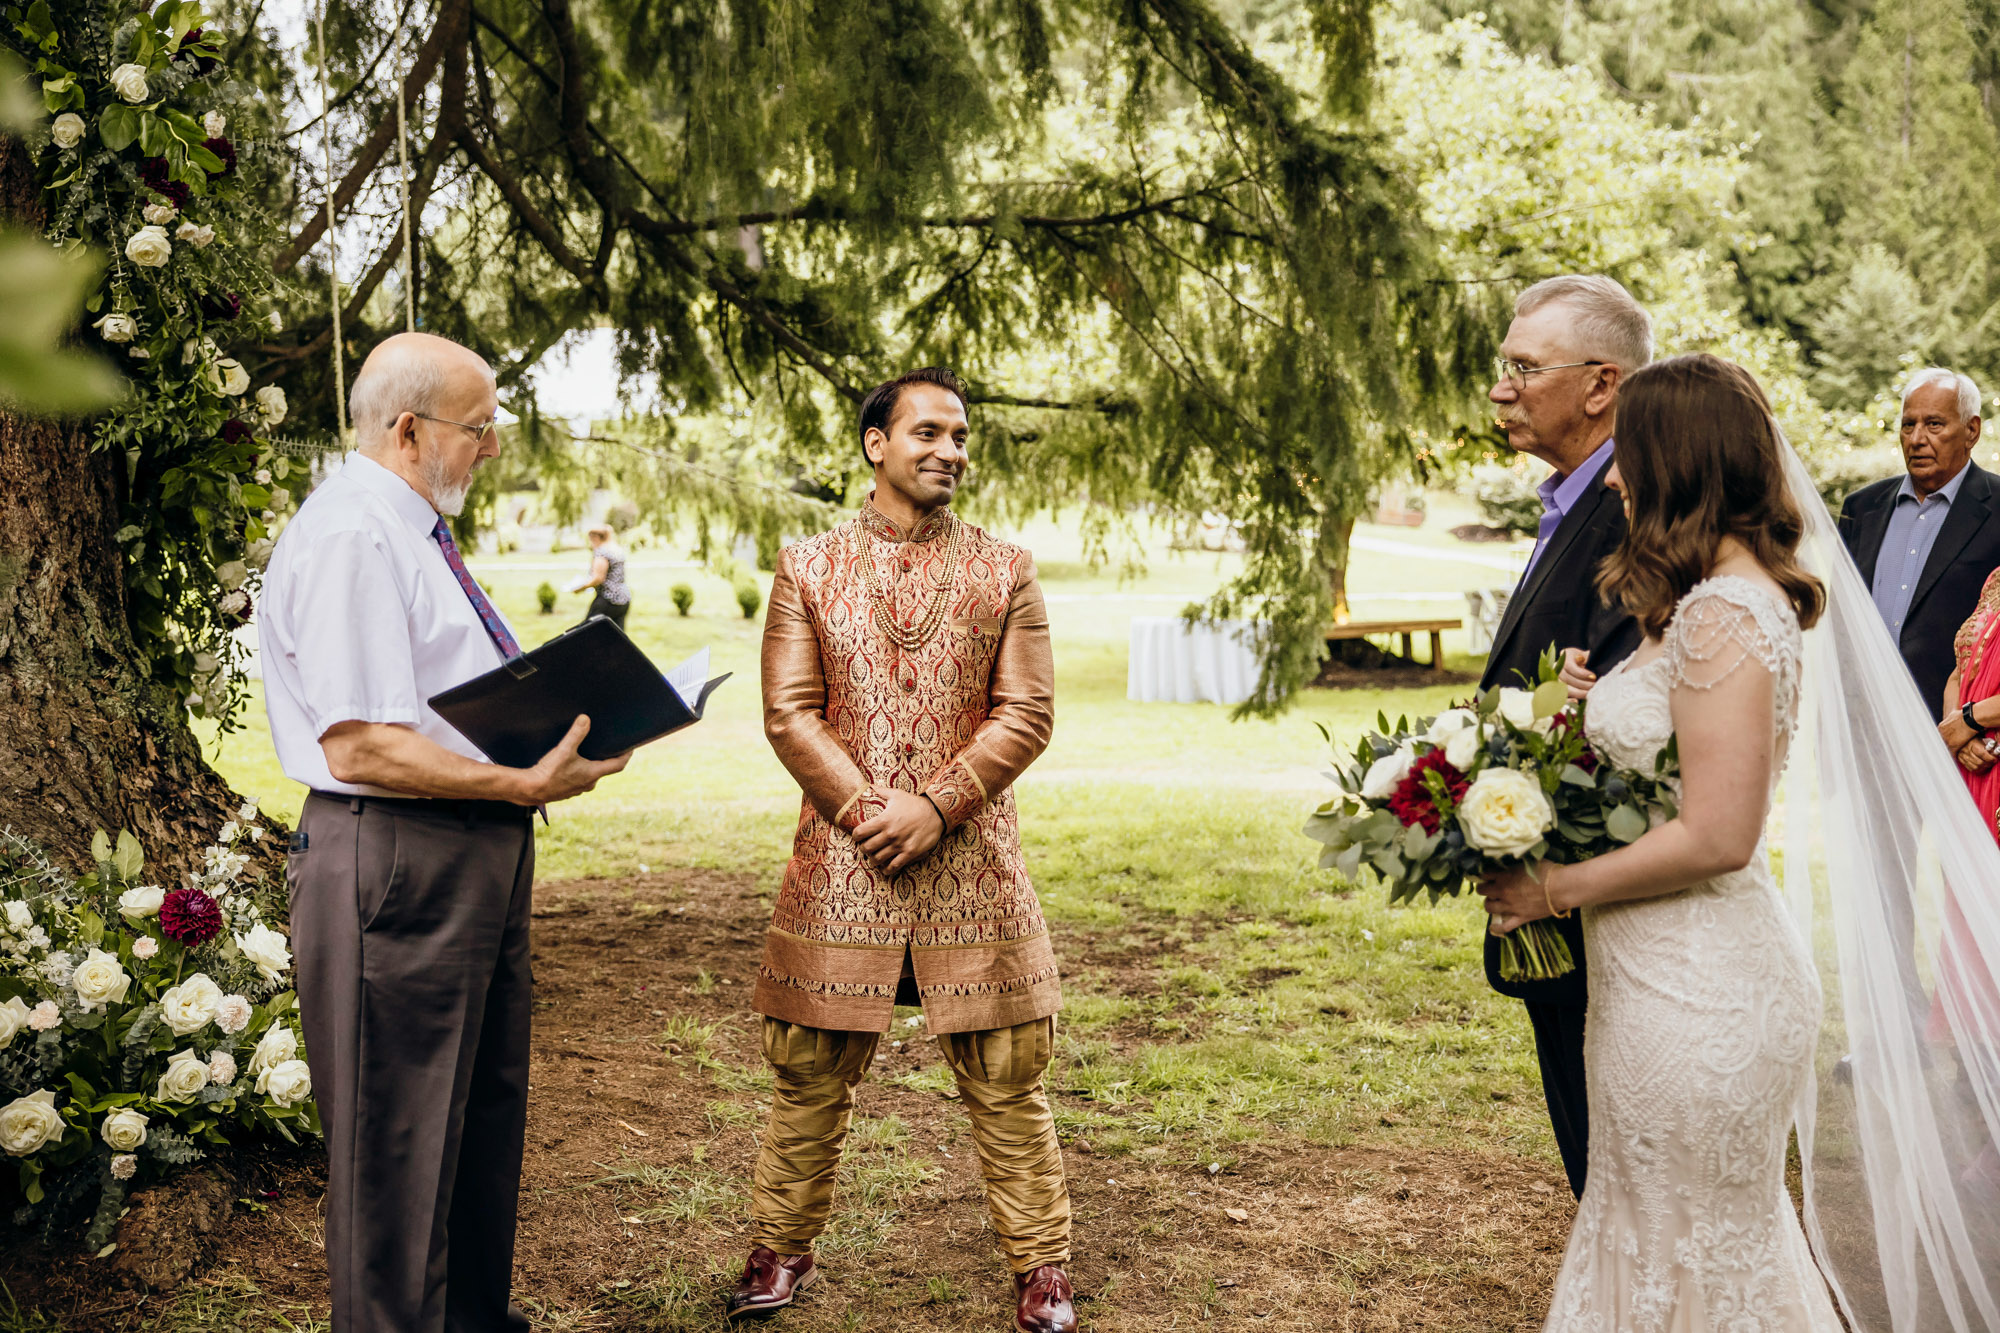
x: 1701, y: 459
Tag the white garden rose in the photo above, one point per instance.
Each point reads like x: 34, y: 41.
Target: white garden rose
x: 1449, y: 723
x: 19, y: 918
x: 221, y: 1068
x: 100, y: 980
x: 1518, y: 707
x: 67, y: 130
x: 1386, y: 774
x: 213, y: 124
x: 136, y: 904
x: 1463, y: 747
x: 1504, y: 812
x: 13, y: 1017
x: 31, y: 1123
x: 149, y: 247
x: 186, y: 1076
x: 232, y: 573
x: 159, y: 214
x: 190, y: 1006
x: 276, y: 1046
x: 130, y: 82
x: 228, y: 377
x: 206, y: 663
x: 197, y: 236
x: 276, y: 321
x: 258, y: 553
x: 115, y: 328
x: 287, y: 1084
x: 268, y: 949
x: 124, y: 1129
x: 271, y: 402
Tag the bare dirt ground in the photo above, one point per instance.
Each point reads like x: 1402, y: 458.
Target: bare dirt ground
x: 647, y: 1100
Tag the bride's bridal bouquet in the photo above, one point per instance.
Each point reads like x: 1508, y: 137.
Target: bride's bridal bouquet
x: 1509, y: 779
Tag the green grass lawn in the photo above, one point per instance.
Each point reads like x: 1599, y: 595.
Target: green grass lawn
x: 1296, y: 1000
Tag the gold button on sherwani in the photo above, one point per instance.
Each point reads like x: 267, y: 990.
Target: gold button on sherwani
x: 926, y: 671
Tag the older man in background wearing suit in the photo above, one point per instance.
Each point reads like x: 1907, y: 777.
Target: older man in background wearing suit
x: 1925, y: 541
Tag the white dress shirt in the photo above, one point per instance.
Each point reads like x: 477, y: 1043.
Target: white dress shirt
x: 361, y: 620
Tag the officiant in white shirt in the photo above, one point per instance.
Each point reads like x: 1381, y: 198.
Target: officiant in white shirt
x: 412, y: 863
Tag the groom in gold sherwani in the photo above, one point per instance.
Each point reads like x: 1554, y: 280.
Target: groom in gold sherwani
x: 907, y: 683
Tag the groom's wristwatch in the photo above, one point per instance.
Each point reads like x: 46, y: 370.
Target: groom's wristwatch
x: 1965, y: 711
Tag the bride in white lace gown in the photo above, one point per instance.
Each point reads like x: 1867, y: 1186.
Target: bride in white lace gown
x: 1704, y: 1003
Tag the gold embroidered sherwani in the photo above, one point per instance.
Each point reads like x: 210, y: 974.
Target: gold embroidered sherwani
x: 958, y: 719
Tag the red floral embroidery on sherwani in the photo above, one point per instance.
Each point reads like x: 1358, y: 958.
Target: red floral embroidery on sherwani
x: 957, y: 719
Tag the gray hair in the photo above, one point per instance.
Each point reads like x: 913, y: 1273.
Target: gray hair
x: 1608, y: 322
x: 399, y: 378
x: 1968, y: 392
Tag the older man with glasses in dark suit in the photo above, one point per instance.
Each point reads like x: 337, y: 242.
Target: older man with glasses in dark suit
x: 1573, y: 340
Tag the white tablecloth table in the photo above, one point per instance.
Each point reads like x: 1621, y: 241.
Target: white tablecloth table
x: 1173, y: 663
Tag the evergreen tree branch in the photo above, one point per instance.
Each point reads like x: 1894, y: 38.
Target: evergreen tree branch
x: 450, y: 31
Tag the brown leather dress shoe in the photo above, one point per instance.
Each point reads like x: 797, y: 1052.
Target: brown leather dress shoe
x: 1044, y: 1301
x: 770, y: 1281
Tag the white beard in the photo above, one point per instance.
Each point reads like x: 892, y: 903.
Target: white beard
x: 447, y: 496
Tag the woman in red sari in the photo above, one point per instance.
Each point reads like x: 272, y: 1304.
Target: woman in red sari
x: 1971, y: 727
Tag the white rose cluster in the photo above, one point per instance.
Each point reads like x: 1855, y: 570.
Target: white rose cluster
x: 20, y: 935
x: 117, y: 328
x: 124, y: 1130
x: 271, y: 404
x: 287, y: 1083
x: 268, y: 949
x: 149, y: 247
x: 100, y: 980
x: 274, y: 1048
x: 190, y: 1006
x: 67, y: 131
x: 1387, y: 773
x: 159, y: 214
x: 13, y: 1017
x: 1460, y: 734
x: 129, y: 82
x: 31, y: 1123
x: 1505, y: 812
x: 186, y: 1076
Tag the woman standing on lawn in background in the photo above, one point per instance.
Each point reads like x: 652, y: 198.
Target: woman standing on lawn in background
x: 607, y: 575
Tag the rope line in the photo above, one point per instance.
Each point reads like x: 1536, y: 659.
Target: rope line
x: 332, y: 243
x: 403, y: 184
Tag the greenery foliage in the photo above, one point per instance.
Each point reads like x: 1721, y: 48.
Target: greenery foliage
x: 545, y: 597
x: 683, y: 596
x: 137, y: 161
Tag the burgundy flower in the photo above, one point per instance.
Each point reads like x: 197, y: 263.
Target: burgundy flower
x: 204, y: 65
x: 1412, y: 802
x: 190, y: 917
x: 225, y: 150
x: 154, y: 173
x: 221, y: 306
x: 234, y: 432
x: 1587, y: 761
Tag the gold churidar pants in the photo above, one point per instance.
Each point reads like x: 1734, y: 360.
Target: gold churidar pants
x: 999, y: 1076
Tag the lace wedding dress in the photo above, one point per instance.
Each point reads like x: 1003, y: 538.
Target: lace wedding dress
x: 1704, y: 1013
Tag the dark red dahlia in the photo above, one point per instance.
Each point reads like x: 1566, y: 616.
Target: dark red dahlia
x: 1560, y: 729
x: 221, y: 306
x: 190, y: 917
x: 1412, y: 802
x: 204, y: 65
x: 234, y: 432
x: 225, y: 150
x: 154, y: 173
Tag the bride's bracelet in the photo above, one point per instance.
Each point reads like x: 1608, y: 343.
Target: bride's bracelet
x: 1560, y: 916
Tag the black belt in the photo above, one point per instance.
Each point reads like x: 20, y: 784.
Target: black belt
x: 462, y: 811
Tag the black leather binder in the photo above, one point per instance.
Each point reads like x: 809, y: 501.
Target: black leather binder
x: 517, y: 712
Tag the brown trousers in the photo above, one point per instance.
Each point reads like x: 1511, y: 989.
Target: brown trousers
x: 999, y: 1076
x: 410, y: 925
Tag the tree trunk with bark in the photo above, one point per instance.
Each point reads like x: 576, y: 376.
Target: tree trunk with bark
x: 87, y: 739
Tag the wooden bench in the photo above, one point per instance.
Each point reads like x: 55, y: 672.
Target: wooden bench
x: 1360, y: 629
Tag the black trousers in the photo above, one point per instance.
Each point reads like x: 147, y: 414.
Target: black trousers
x: 616, y: 610
x: 410, y: 930
x: 1559, y: 1047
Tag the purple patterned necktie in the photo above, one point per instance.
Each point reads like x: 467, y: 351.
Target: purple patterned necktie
x: 502, y: 639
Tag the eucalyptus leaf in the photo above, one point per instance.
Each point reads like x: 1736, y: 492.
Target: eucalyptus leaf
x: 1625, y: 824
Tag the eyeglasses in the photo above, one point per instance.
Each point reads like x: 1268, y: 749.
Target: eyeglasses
x: 479, y: 433
x: 1516, y: 372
